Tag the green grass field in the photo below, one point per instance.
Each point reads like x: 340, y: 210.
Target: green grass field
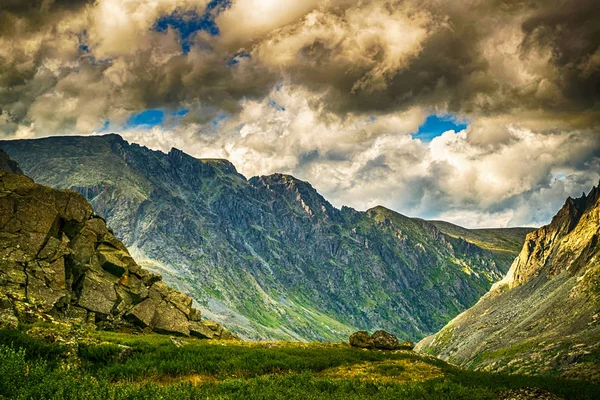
x: 157, y: 369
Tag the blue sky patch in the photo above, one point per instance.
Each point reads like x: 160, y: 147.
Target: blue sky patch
x: 187, y: 23
x: 152, y: 117
x: 181, y: 113
x: 146, y: 119
x: 435, y: 125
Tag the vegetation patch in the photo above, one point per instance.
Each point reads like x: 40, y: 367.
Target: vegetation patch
x: 156, y: 368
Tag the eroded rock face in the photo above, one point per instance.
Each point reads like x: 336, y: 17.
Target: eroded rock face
x: 544, y: 316
x: 59, y: 260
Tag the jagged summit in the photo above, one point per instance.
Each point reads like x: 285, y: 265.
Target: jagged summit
x: 543, y: 316
x: 179, y: 157
x: 297, y: 191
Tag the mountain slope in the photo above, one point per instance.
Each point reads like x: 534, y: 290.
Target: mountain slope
x: 544, y: 316
x: 268, y: 256
x: 58, y: 260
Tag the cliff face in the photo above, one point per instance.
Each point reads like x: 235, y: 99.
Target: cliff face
x: 59, y: 260
x: 268, y: 257
x: 544, y: 316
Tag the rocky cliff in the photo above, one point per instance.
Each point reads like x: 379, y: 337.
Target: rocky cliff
x: 544, y: 316
x: 58, y: 260
x: 268, y: 256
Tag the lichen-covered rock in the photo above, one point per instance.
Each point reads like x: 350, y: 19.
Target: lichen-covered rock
x: 59, y: 260
x: 361, y: 339
x: 169, y: 319
x: 97, y: 295
x: 198, y: 329
x: 408, y: 345
x: 384, y: 340
x: 381, y: 340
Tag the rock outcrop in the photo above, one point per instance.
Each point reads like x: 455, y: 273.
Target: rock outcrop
x: 381, y: 340
x: 544, y: 316
x: 58, y: 260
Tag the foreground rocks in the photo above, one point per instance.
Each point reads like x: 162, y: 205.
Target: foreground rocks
x: 60, y: 261
x: 379, y: 340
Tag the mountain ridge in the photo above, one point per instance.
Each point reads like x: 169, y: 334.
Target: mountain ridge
x: 543, y: 316
x: 268, y: 256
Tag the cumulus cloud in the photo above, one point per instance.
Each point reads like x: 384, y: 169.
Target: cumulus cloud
x: 330, y: 91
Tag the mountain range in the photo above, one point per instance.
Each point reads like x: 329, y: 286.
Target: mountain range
x: 268, y: 256
x: 543, y: 317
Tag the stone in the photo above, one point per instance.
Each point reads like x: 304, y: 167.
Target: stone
x: 169, y: 319
x: 110, y: 260
x: 199, y: 330
x: 212, y: 325
x: 182, y: 301
x: 361, y: 339
x: 384, y: 340
x: 177, y: 342
x: 381, y: 340
x: 227, y: 335
x: 97, y: 295
x: 143, y: 313
x: 408, y: 345
x: 195, y: 315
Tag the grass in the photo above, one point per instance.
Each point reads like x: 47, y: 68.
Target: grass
x: 156, y: 369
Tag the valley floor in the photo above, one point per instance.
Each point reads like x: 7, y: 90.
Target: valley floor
x: 128, y: 366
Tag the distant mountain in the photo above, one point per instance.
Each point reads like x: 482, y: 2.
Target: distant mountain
x: 268, y: 256
x: 544, y: 316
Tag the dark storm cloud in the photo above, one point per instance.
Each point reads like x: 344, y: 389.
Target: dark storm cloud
x: 456, y: 64
x: 572, y: 31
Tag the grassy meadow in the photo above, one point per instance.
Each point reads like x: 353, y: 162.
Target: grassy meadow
x: 154, y: 368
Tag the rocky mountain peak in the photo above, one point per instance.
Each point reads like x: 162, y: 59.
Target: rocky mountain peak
x: 568, y: 216
x: 298, y: 191
x: 545, y: 246
x: 543, y: 316
x: 182, y: 160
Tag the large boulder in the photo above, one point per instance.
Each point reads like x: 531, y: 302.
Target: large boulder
x: 59, y: 260
x: 379, y: 340
x: 361, y: 339
x: 384, y: 340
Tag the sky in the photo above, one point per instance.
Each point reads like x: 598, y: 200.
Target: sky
x: 481, y: 113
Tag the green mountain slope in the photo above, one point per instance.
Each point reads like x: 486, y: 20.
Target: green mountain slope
x: 544, y: 316
x: 268, y: 256
x: 504, y: 243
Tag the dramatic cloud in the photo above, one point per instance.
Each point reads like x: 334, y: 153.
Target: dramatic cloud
x: 332, y: 91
